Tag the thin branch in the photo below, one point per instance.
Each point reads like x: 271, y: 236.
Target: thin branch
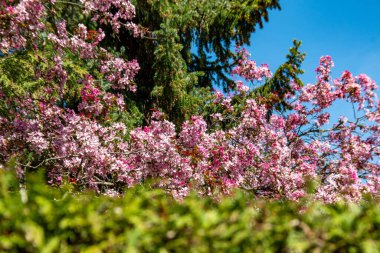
x: 45, y: 161
x: 71, y: 3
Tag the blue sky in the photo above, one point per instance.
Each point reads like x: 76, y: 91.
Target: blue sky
x: 348, y: 31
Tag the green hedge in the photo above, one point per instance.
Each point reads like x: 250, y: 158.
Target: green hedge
x: 44, y: 219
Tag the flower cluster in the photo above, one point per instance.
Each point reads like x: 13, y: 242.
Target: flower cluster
x: 118, y: 13
x: 116, y: 70
x: 96, y: 103
x: 120, y: 73
x: 20, y: 24
x: 274, y: 158
x: 76, y: 43
x: 248, y: 69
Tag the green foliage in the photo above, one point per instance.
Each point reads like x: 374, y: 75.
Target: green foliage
x: 17, y: 73
x: 172, y: 82
x: 45, y: 219
x: 21, y: 74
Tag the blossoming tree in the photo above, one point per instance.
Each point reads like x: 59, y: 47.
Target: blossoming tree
x: 235, y: 143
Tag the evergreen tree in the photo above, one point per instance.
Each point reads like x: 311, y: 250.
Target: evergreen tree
x: 188, y: 45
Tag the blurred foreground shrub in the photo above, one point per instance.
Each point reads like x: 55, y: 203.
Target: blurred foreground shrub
x: 45, y: 219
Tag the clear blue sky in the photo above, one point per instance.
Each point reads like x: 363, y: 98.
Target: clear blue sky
x: 347, y: 30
